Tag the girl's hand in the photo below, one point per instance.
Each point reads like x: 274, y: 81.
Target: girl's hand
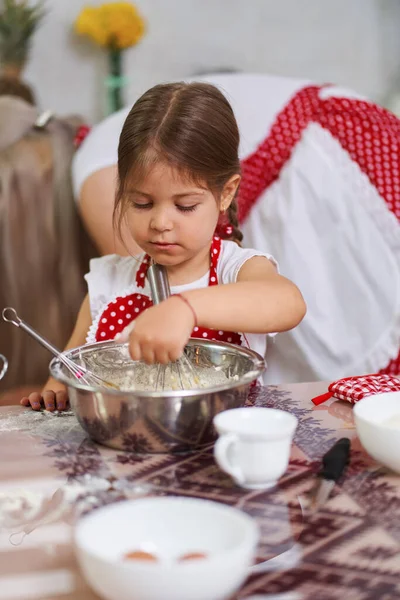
x: 53, y: 397
x: 54, y: 394
x: 161, y: 332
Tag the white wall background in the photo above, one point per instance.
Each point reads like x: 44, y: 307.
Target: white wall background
x: 350, y: 42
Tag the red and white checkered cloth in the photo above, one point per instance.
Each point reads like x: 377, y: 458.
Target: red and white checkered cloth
x: 354, y: 389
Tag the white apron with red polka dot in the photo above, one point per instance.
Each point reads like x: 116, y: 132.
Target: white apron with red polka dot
x: 125, y: 309
x: 322, y: 192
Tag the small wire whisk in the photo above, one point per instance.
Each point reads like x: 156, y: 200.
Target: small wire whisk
x: 81, y: 373
x: 181, y: 373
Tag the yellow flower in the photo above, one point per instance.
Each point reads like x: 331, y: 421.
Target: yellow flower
x: 114, y: 24
x: 88, y: 24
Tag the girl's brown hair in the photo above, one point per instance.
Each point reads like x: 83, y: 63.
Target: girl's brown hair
x: 44, y: 251
x: 191, y: 126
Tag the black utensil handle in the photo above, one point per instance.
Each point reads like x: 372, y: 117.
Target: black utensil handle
x: 335, y: 461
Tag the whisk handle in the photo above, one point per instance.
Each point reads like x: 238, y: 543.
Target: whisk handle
x: 158, y: 282
x: 10, y: 316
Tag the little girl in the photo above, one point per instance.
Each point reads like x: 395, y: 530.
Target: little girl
x: 179, y: 173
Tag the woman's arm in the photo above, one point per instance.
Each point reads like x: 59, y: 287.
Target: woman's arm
x: 54, y: 393
x: 262, y: 301
x: 96, y: 205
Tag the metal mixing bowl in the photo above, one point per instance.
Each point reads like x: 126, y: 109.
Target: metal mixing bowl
x: 169, y: 421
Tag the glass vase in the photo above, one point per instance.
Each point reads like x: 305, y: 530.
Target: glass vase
x: 115, y: 81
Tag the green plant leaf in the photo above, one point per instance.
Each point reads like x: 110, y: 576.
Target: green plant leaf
x: 18, y: 22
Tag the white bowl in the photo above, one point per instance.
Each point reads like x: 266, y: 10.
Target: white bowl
x: 375, y: 418
x: 167, y: 528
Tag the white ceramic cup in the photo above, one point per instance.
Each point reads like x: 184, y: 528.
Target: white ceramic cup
x: 254, y: 445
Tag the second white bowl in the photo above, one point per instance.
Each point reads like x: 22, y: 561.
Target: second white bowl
x: 377, y: 420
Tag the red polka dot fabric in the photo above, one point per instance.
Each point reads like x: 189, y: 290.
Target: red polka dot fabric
x: 119, y: 314
x: 369, y: 133
x: 211, y: 334
x: 142, y: 272
x: 81, y: 134
x: 371, y: 136
x: 263, y: 167
x: 124, y: 309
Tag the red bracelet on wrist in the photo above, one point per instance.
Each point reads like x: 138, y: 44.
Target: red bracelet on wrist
x: 188, y: 304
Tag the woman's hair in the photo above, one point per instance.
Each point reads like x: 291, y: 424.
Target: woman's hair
x: 44, y: 251
x: 11, y: 86
x: 190, y: 126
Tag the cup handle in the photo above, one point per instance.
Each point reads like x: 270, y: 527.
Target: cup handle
x: 4, y: 367
x: 221, y: 452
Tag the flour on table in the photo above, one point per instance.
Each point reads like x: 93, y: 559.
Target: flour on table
x: 41, y: 423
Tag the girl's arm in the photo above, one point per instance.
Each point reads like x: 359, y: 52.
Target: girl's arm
x: 54, y: 394
x: 261, y: 301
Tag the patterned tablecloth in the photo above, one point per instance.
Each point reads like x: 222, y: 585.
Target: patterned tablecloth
x: 50, y: 473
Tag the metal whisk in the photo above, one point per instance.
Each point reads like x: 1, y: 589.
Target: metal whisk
x: 182, y: 370
x: 79, y: 372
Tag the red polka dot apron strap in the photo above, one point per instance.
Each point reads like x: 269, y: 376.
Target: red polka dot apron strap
x: 211, y: 334
x: 141, y: 273
x: 368, y: 132
x: 263, y: 167
x: 216, y: 246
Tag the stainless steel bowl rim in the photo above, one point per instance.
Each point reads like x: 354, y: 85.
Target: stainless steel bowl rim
x: 257, y: 370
